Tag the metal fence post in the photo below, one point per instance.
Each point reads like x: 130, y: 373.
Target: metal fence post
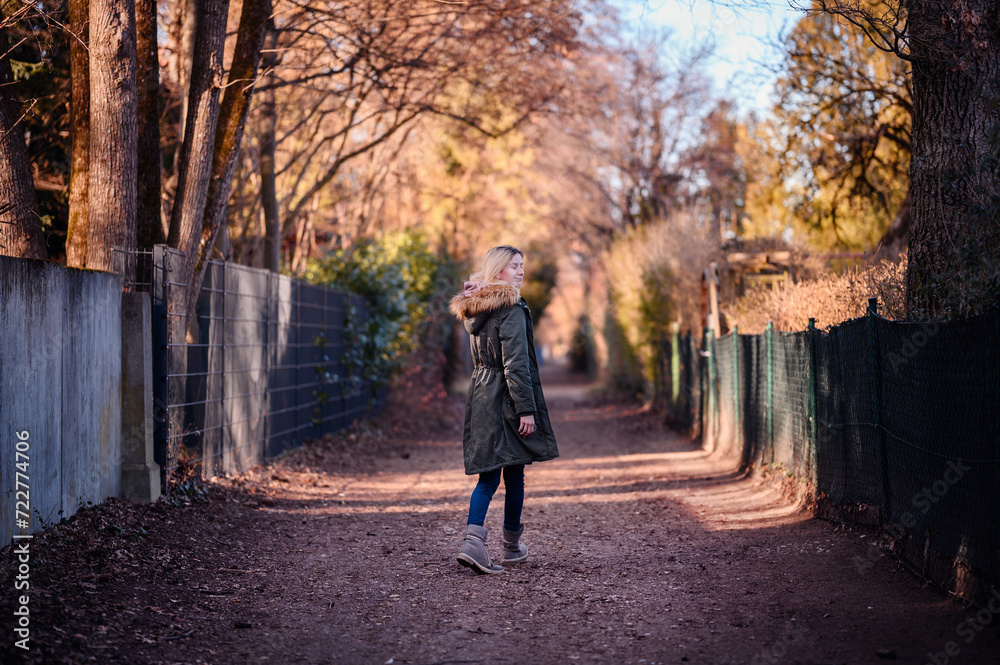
x: 267, y: 427
x: 713, y: 377
x: 707, y: 390
x: 737, y: 428
x: 297, y: 314
x: 660, y: 389
x: 770, y: 389
x: 227, y: 446
x: 886, y: 511
x: 160, y: 325
x: 811, y: 414
x: 675, y: 363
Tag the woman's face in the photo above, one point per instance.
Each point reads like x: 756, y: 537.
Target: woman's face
x: 514, y: 272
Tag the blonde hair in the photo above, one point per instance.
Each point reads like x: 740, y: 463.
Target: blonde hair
x: 494, y: 262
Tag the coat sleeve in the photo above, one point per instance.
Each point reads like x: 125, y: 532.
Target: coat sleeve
x: 516, y: 363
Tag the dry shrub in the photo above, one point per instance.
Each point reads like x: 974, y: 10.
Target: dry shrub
x: 886, y: 280
x: 654, y: 279
x: 830, y: 299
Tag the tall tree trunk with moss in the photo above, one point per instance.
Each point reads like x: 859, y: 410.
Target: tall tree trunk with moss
x: 268, y: 188
x: 113, y: 137
x: 79, y: 177
x: 149, y: 222
x: 954, y: 234
x: 20, y: 227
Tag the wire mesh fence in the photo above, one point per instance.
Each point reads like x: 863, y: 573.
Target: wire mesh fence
x: 135, y: 268
x: 258, y: 370
x: 891, y: 424
x: 677, y: 390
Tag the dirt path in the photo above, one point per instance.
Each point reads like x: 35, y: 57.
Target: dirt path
x: 642, y: 550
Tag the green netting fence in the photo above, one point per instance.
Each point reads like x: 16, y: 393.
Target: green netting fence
x: 678, y: 382
x: 890, y: 424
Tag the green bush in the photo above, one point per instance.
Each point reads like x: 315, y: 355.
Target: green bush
x: 400, y: 280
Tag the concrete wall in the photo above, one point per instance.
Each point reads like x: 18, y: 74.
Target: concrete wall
x: 60, y: 380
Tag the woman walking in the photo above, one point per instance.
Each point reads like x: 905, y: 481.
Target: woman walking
x: 506, y: 421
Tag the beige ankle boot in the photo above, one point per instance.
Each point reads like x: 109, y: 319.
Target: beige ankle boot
x: 514, y: 551
x: 473, y: 553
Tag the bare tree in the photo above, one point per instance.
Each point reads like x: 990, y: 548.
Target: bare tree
x: 213, y: 134
x: 197, y: 151
x: 354, y: 77
x: 254, y: 18
x: 268, y: 177
x: 645, y: 119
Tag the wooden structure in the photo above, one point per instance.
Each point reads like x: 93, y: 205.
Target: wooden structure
x: 740, y: 272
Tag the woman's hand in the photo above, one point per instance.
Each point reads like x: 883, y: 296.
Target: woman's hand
x: 527, y: 425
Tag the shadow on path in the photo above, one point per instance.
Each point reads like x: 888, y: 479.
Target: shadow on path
x: 643, y: 549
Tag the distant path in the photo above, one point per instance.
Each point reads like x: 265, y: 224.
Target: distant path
x: 642, y: 550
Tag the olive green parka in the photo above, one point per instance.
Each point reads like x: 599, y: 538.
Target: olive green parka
x: 505, y: 383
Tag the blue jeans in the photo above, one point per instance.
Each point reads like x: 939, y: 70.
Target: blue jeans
x: 513, y: 484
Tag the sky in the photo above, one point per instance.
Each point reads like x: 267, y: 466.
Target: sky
x: 740, y: 36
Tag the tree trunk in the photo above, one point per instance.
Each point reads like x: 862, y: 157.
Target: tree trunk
x: 195, y: 167
x: 149, y: 222
x: 20, y: 227
x: 189, y: 29
x: 223, y: 245
x: 894, y: 239
x: 113, y: 137
x: 268, y: 187
x: 182, y: 23
x: 254, y: 16
x: 79, y: 178
x: 954, y: 235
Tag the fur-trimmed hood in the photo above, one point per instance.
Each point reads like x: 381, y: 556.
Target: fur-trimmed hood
x: 486, y: 299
